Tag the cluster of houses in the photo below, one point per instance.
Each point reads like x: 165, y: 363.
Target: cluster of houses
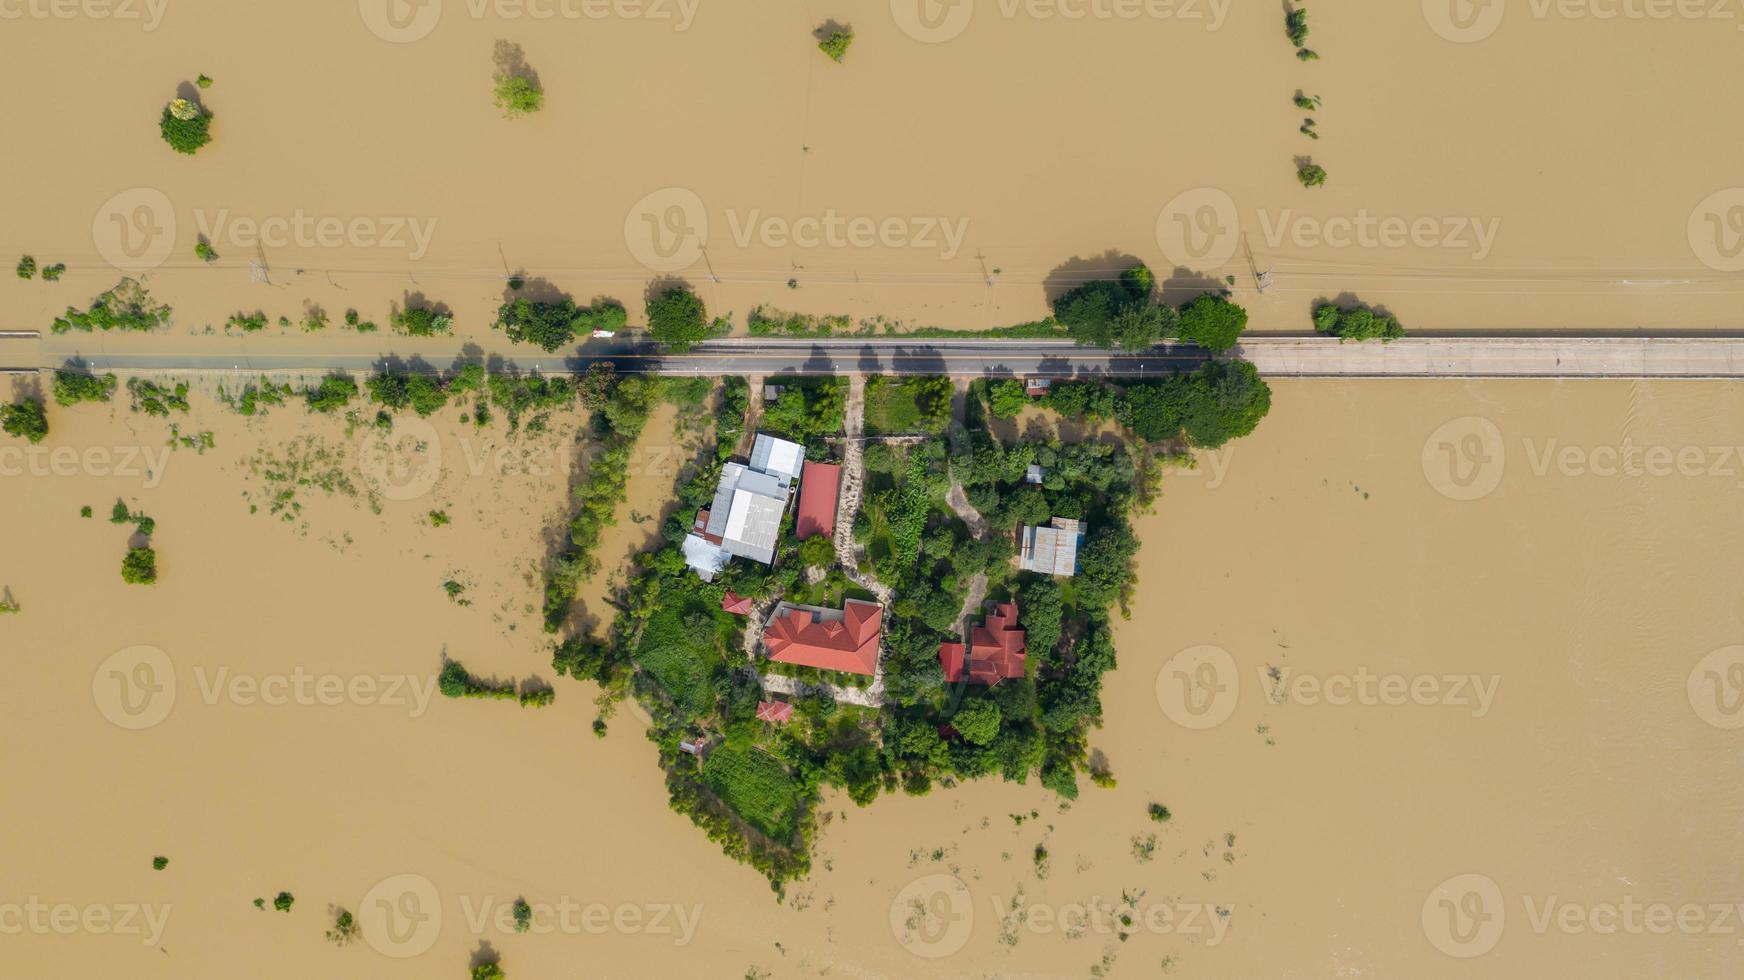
x: 744, y: 521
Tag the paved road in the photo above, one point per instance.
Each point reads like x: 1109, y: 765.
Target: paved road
x: 1275, y: 356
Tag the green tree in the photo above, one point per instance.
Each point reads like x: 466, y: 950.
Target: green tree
x: 817, y: 552
x: 1311, y: 174
x: 1006, y: 398
x: 550, y: 325
x: 185, y: 126
x: 73, y: 387
x: 139, y: 567
x: 836, y: 44
x: 488, y: 971
x: 517, y: 95
x: 523, y: 915
x: 977, y: 721
x: 677, y: 318
x: 421, y: 321
x: 1212, y: 322
x: 332, y: 394
x: 1041, y: 607
x: 1359, y: 324
x: 26, y: 419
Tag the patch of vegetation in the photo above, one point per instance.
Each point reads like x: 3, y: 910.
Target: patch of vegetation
x: 764, y: 321
x: 157, y: 399
x: 1311, y: 174
x: 139, y: 567
x: 73, y: 387
x: 27, y: 267
x: 53, y: 273
x: 553, y: 324
x: 159, y: 863
x: 357, y: 323
x: 345, y: 928
x: 518, y: 95
x: 333, y: 393
x: 421, y: 321
x: 25, y: 419
x: 456, y: 682
x: 126, y: 306
x: 1158, y: 812
x: 246, y: 322
x: 9, y: 606
x: 835, y: 45
x: 203, y: 82
x: 1206, y: 408
x: 203, y: 251
x: 438, y: 518
x: 1358, y: 323
x: 909, y: 404
x: 1123, y: 312
x: 677, y: 318
x: 1296, y: 26
x: 283, y: 901
x: 185, y: 126
x: 808, y: 410
x: 1213, y: 322
x: 756, y: 785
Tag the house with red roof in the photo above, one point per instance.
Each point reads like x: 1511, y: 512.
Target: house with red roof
x: 778, y: 712
x: 819, y: 486
x: 738, y: 605
x: 843, y: 639
x: 995, y: 651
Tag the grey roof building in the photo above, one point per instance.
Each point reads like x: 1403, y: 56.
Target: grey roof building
x: 744, y: 520
x: 1051, y: 549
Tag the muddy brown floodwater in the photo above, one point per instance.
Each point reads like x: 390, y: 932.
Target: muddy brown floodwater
x: 1406, y: 637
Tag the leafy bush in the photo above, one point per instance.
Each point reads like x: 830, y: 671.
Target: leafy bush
x: 332, y: 394
x: 836, y: 44
x: 1116, y: 312
x: 25, y: 420
x: 1212, y: 322
x: 1208, y: 407
x: 53, y: 273
x: 456, y: 682
x: 246, y: 322
x: 677, y: 318
x: 1311, y: 174
x: 1359, y: 324
x: 550, y: 325
x: 26, y: 267
x: 1296, y: 26
x: 73, y: 387
x: 185, y: 126
x: 1006, y: 398
x: 283, y: 901
x: 421, y: 321
x: 203, y: 251
x: 139, y: 567
x: 159, y: 863
x: 517, y: 95
x: 126, y: 306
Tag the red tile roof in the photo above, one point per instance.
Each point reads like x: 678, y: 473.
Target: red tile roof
x: 996, y: 649
x: 736, y: 604
x: 776, y: 711
x: 819, y: 484
x: 796, y: 635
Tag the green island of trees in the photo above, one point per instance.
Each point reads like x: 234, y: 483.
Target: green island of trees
x: 755, y: 788
x: 552, y: 324
x: 1358, y: 323
x: 186, y: 125
x: 125, y: 306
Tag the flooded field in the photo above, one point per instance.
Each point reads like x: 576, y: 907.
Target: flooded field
x: 1536, y: 168
x: 1413, y: 687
